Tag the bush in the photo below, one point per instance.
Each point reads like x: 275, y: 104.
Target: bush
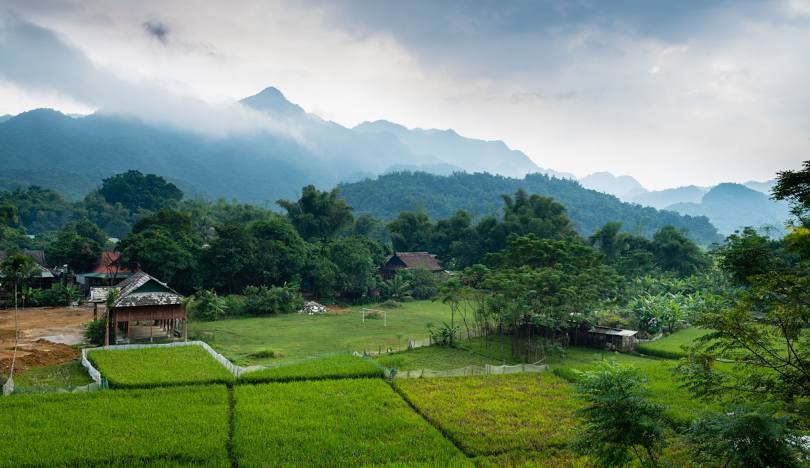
x: 265, y: 354
x: 262, y: 300
x: 94, y: 332
x: 207, y: 305
x: 234, y: 305
x: 58, y: 296
x: 423, y: 284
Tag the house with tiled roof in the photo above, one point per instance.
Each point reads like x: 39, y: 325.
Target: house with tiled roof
x: 410, y: 261
x: 143, y: 298
x: 108, y: 271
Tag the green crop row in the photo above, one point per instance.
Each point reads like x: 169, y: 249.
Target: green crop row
x: 334, y: 367
x: 350, y: 422
x: 166, y: 426
x: 157, y: 367
x: 496, y: 414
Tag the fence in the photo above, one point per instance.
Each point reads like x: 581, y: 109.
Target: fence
x: 96, y: 375
x: 470, y: 370
x: 8, y: 387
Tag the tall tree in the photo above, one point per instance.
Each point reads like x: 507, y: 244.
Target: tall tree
x: 78, y: 245
x: 410, y: 232
x: 794, y: 186
x: 318, y: 215
x: 674, y: 252
x: 136, y: 191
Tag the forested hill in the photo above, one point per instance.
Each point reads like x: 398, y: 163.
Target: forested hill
x: 480, y: 194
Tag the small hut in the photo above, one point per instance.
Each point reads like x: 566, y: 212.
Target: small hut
x: 613, y: 338
x: 142, y: 298
x: 410, y: 260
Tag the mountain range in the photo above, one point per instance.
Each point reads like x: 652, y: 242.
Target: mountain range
x: 729, y: 206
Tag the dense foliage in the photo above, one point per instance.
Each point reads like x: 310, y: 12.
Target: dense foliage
x: 441, y: 197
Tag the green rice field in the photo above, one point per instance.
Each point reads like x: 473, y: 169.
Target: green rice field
x: 673, y: 346
x: 167, y: 426
x: 350, y: 422
x: 497, y: 414
x: 157, y: 367
x: 340, y: 366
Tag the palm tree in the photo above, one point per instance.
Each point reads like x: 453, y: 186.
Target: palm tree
x: 17, y: 268
x: 398, y: 289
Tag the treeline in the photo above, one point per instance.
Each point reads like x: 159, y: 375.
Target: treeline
x: 440, y: 197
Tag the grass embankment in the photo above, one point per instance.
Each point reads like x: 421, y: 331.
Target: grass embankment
x: 341, y: 366
x: 167, y: 426
x: 673, y: 346
x: 498, y: 414
x: 437, y: 358
x: 48, y: 378
x: 158, y: 367
x: 245, y: 341
x: 354, y: 422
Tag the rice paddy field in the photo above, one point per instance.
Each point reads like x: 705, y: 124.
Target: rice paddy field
x: 350, y: 422
x: 498, y: 414
x: 341, y: 366
x: 157, y: 367
x: 439, y: 358
x: 168, y: 426
x: 51, y: 378
x: 245, y: 341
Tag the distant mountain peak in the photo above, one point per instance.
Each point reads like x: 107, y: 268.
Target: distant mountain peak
x: 620, y: 186
x: 272, y: 100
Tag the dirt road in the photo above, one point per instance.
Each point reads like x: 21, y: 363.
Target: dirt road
x: 46, y: 336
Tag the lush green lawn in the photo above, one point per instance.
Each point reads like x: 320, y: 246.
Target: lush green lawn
x: 299, y: 335
x: 340, y: 366
x: 672, y: 346
x: 663, y: 384
x: 350, y: 422
x: 156, y: 367
x: 167, y: 426
x: 66, y: 375
x: 437, y: 358
x: 495, y: 414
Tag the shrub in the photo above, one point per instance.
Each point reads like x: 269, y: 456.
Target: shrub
x: 423, y: 284
x: 206, y: 305
x: 58, y: 296
x: 265, y: 354
x: 234, y: 305
x: 94, y: 332
x: 263, y: 300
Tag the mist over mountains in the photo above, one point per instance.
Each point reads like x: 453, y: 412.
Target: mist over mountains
x: 729, y: 206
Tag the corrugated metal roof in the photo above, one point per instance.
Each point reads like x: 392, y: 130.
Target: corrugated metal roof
x: 612, y: 331
x: 131, y: 297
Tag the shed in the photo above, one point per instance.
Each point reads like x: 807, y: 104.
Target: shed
x: 143, y: 298
x: 410, y: 260
x: 615, y: 338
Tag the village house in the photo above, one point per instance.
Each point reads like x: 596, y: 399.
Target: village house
x: 618, y: 339
x: 108, y: 271
x: 142, y: 298
x: 409, y: 261
x: 43, y: 278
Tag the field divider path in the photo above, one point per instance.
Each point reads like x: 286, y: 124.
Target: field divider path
x: 441, y: 430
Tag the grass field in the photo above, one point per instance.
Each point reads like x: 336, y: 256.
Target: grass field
x: 299, y: 335
x: 496, y: 414
x: 663, y: 384
x: 437, y: 358
x: 353, y: 422
x: 340, y: 366
x: 157, y: 367
x: 58, y: 376
x: 168, y: 426
x: 672, y: 346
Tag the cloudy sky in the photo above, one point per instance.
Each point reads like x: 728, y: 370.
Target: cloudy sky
x: 671, y: 92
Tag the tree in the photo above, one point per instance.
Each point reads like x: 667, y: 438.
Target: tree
x: 746, y: 254
x: 764, y: 334
x: 136, y: 191
x: 411, y: 232
x: 541, y: 216
x: 206, y: 305
x: 280, y: 251
x: 398, y: 289
x: 619, y: 420
x: 318, y: 215
x: 794, y: 186
x: 357, y: 261
x: 744, y: 436
x: 674, y: 252
x: 78, y: 245
x: 230, y: 257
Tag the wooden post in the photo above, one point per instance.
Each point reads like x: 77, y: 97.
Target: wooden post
x: 151, y: 325
x: 95, y: 311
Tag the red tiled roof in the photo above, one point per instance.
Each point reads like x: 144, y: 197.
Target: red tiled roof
x: 109, y: 261
x: 417, y: 260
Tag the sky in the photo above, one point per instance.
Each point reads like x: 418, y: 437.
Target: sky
x: 670, y: 92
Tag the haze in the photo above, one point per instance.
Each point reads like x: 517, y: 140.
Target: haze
x: 672, y: 93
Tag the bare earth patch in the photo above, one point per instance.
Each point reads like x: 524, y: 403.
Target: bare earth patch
x: 46, y: 336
